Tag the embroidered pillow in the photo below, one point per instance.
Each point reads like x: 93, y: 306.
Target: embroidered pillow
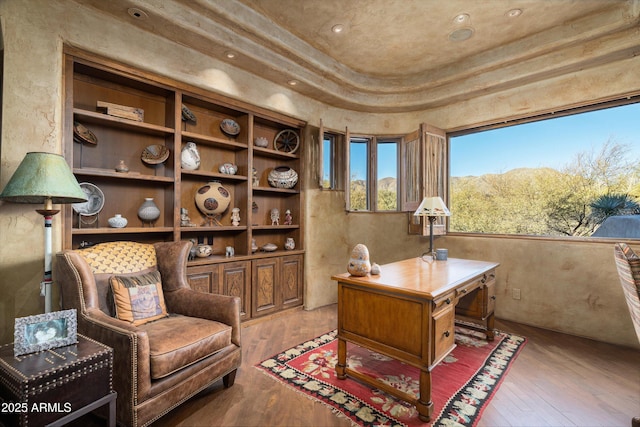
x: 138, y: 298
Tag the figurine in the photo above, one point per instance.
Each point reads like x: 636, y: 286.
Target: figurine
x: 256, y: 180
x: 185, y: 221
x: 275, y: 216
x: 229, y: 251
x: 235, y: 217
x: 287, y: 217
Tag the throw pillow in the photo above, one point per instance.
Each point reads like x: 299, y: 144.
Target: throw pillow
x: 138, y: 298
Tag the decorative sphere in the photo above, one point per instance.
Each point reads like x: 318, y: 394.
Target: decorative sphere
x: 213, y: 198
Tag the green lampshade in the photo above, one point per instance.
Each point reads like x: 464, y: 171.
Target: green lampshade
x: 42, y: 177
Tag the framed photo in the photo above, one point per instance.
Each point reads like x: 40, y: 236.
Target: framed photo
x: 45, y: 331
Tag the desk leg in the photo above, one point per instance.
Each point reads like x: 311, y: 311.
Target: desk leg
x: 342, y: 359
x: 112, y: 412
x: 425, y: 405
x: 490, y: 327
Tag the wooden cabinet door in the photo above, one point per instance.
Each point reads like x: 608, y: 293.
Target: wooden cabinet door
x: 204, y: 278
x: 265, y: 295
x: 235, y: 282
x: 292, y: 281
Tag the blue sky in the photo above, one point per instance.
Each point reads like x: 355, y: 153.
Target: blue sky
x: 547, y: 143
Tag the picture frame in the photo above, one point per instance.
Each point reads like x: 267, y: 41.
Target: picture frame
x: 45, y: 331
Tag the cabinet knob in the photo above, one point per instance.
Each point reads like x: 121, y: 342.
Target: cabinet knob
x: 447, y: 333
x: 448, y: 300
x: 464, y: 291
x: 493, y: 297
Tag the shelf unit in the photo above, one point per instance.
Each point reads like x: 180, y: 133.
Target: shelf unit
x: 89, y: 80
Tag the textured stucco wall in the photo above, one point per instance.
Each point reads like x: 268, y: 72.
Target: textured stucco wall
x: 34, y: 32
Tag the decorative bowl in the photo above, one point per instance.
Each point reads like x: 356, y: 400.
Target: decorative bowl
x: 261, y: 141
x: 282, y: 177
x: 203, y: 251
x: 269, y: 247
x: 187, y: 115
x: 82, y: 134
x: 94, y: 203
x: 230, y: 127
x: 155, y: 154
x: 228, y: 168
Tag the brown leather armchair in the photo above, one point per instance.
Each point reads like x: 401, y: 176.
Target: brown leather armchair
x: 160, y: 364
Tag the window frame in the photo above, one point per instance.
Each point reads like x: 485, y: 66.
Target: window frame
x: 594, y: 105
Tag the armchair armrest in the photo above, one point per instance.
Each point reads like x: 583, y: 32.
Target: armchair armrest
x: 221, y: 308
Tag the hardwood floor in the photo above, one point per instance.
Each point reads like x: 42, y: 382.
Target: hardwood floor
x: 557, y: 380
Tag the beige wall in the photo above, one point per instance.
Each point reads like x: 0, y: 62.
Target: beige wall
x: 579, y: 294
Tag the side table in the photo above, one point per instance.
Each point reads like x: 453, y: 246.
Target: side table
x: 56, y: 386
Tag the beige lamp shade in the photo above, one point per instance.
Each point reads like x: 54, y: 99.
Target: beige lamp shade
x: 42, y: 177
x: 432, y: 206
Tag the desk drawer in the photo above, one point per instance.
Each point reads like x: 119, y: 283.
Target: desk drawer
x: 443, y: 333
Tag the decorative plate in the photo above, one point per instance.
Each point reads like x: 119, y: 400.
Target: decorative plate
x: 187, y: 115
x: 94, y: 203
x: 155, y: 154
x: 286, y: 141
x: 82, y: 134
x: 230, y: 127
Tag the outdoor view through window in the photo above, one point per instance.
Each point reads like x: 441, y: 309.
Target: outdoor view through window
x: 576, y: 175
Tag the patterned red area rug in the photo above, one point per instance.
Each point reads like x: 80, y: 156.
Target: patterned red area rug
x: 462, y: 384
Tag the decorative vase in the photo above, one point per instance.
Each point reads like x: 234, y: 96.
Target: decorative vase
x: 213, y: 199
x: 269, y: 247
x: 117, y: 221
x: 148, y: 211
x: 289, y: 244
x: 261, y: 141
x: 122, y: 167
x: 359, y: 264
x: 228, y: 168
x: 190, y: 157
x: 282, y: 177
x: 254, y: 246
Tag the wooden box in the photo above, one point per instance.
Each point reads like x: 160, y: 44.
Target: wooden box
x: 39, y: 388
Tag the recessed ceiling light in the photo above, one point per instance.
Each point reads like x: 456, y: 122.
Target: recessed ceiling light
x: 514, y: 13
x: 292, y: 82
x: 461, y: 35
x: 461, y: 18
x: 338, y: 28
x: 229, y: 54
x: 137, y: 13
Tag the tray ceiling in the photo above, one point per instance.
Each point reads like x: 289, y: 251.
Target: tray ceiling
x: 395, y: 55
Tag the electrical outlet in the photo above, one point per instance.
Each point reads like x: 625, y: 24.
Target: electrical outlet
x: 515, y: 293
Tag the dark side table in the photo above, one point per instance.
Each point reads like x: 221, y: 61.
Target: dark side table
x: 54, y: 387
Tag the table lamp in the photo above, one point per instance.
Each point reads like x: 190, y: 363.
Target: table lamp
x: 44, y: 178
x: 432, y: 208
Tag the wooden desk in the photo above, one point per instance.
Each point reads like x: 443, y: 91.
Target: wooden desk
x: 407, y: 312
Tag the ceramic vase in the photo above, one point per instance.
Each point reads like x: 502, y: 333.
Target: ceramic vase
x: 203, y: 251
x: 261, y: 141
x: 149, y: 211
x: 228, y: 168
x: 282, y: 177
x: 289, y: 244
x: 213, y: 198
x: 359, y: 264
x: 122, y: 167
x: 117, y: 221
x: 190, y: 157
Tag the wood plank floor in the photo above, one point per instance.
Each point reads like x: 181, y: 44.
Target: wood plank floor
x: 557, y: 380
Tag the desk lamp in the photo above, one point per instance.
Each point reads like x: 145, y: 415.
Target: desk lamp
x: 44, y: 178
x: 432, y: 208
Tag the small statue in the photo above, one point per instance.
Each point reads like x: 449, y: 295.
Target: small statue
x: 275, y: 216
x: 235, y: 217
x: 185, y: 221
x: 256, y: 180
x: 287, y: 217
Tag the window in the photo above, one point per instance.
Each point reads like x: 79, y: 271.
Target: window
x: 563, y: 176
x: 328, y: 153
x: 373, y: 174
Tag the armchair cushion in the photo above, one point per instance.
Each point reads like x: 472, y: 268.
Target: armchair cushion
x: 179, y: 341
x: 138, y: 298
